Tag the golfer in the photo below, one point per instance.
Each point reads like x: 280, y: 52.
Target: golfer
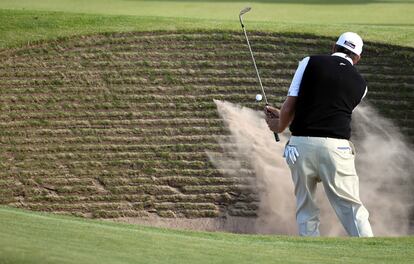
x: 323, y: 93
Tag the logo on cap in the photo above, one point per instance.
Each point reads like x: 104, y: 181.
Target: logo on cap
x: 349, y: 44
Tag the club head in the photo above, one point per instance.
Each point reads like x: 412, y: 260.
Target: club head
x: 245, y: 10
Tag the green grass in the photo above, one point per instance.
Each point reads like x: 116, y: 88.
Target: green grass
x: 306, y: 11
x: 25, y: 21
x: 28, y: 237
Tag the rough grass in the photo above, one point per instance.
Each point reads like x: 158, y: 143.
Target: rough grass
x: 28, y: 237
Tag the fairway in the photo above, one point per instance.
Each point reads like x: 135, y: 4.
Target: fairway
x: 393, y: 12
x: 43, y: 238
x: 380, y: 21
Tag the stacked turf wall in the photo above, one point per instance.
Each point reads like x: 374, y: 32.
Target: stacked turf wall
x: 118, y: 125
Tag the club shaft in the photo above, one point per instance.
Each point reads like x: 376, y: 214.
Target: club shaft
x: 254, y: 63
x: 255, y: 67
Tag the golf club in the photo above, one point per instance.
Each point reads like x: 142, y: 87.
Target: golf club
x: 242, y: 12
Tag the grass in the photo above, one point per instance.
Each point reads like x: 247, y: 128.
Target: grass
x: 29, y: 237
x: 393, y: 12
x: 26, y: 21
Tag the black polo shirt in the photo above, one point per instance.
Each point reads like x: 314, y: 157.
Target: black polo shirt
x: 330, y: 89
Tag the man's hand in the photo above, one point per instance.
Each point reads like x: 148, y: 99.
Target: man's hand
x: 272, y: 117
x: 271, y: 111
x: 272, y: 123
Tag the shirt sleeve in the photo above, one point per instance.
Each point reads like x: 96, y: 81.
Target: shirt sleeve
x: 297, y: 78
x: 365, y: 93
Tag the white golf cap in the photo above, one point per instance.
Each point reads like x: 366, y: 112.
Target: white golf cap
x: 351, y: 41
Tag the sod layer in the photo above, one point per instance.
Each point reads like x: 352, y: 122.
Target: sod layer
x: 118, y: 125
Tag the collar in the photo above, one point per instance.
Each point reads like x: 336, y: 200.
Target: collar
x: 343, y: 55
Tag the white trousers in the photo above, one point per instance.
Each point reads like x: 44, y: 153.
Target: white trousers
x: 331, y: 161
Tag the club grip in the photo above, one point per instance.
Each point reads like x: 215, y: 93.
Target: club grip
x: 274, y: 133
x: 276, y: 137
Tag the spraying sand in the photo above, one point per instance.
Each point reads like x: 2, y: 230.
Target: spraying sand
x: 384, y: 164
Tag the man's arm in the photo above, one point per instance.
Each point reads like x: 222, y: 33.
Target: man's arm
x: 279, y: 120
